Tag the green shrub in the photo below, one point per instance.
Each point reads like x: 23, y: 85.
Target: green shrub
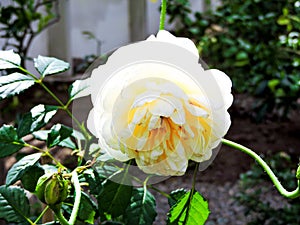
x: 256, y: 42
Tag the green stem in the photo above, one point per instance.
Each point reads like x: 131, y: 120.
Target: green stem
x: 63, y: 106
x: 75, y: 210
x: 191, y: 193
x: 27, y: 72
x: 159, y: 191
x: 41, y: 215
x: 60, y: 217
x: 163, y: 14
x: 264, y: 165
x: 46, y: 152
x: 51, y: 93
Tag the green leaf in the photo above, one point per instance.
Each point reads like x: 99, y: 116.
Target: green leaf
x: 87, y: 209
x: 60, y: 135
x: 9, y: 141
x: 9, y: 59
x: 31, y: 176
x: 241, y: 63
x: 190, y: 209
x: 241, y: 56
x: 38, y: 117
x: 78, y: 89
x: 107, y: 169
x: 114, y: 198
x: 50, y: 65
x: 13, y: 84
x: 282, y: 20
x: 22, y: 166
x: 93, y: 179
x: 14, y: 205
x: 67, y: 142
x: 142, y: 209
x: 175, y: 196
x: 273, y: 83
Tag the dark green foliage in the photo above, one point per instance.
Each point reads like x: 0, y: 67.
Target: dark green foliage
x: 17, y: 171
x: 142, y: 209
x: 257, y: 43
x: 114, y: 198
x: 87, y: 209
x: 14, y: 205
x: 34, y: 120
x: 9, y: 141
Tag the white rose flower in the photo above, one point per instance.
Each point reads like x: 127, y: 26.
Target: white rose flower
x: 153, y: 102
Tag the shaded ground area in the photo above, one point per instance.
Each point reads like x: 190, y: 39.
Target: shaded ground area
x: 218, y: 182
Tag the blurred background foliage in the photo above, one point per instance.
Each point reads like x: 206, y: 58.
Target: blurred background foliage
x: 255, y: 42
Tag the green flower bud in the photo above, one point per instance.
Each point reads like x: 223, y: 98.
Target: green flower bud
x: 52, y: 190
x: 41, y: 184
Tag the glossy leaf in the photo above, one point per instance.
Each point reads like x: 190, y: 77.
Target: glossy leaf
x: 9, y: 141
x: 57, y: 136
x: 175, y: 196
x: 190, y: 209
x: 50, y: 65
x: 37, y: 118
x: 114, y: 198
x: 142, y: 209
x: 14, y: 205
x: 87, y: 209
x: 60, y: 135
x: 93, y: 179
x: 78, y: 89
x: 14, y: 84
x: 9, y: 59
x: 21, y: 167
x: 30, y: 178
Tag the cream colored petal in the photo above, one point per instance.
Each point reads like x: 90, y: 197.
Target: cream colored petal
x: 196, y: 111
x: 186, y: 43
x: 224, y: 84
x: 161, y: 107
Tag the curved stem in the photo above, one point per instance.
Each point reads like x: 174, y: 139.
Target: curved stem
x: 60, y: 217
x: 163, y: 14
x: 265, y: 166
x: 75, y: 210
